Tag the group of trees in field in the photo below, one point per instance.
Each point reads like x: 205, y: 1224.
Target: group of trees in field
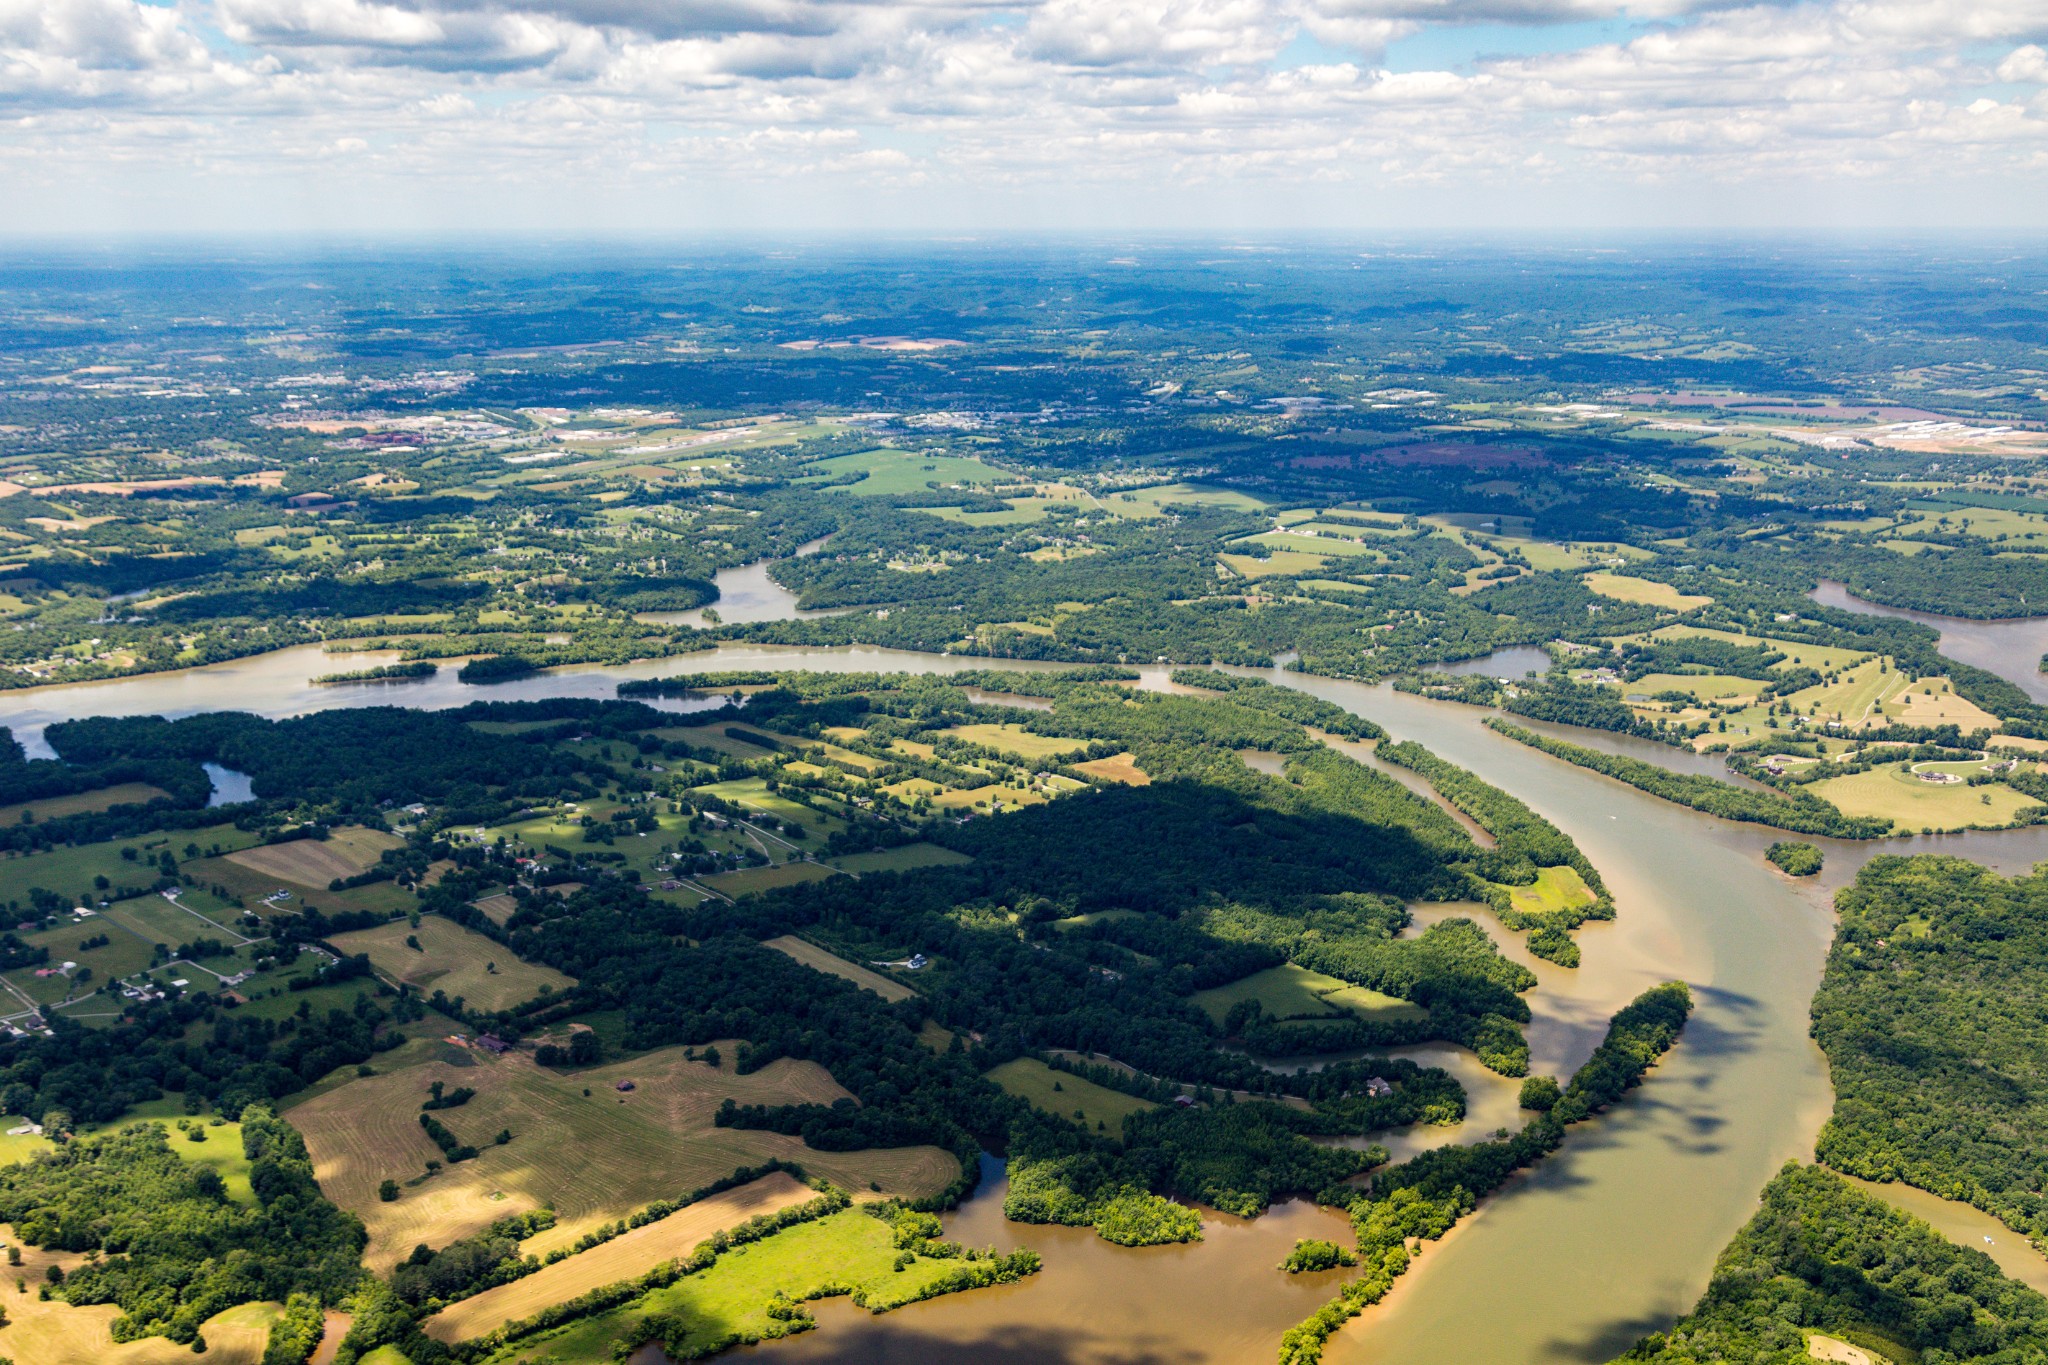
x: 188, y: 1045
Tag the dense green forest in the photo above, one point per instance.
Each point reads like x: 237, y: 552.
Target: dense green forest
x: 1931, y: 1016
x: 174, y: 1247
x: 1822, y: 1257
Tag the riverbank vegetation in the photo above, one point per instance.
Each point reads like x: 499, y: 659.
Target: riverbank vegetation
x: 1929, y: 1013
x: 1823, y: 1266
x: 1795, y: 859
x: 1801, y: 813
x: 1422, y: 1198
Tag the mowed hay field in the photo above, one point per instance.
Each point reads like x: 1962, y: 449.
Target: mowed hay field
x: 622, y: 1258
x: 54, y: 1332
x: 591, y: 1158
x: 1892, y: 791
x: 1116, y: 768
x: 78, y: 803
x: 818, y: 959
x: 1644, y: 591
x: 345, y: 852
x: 1015, y: 739
x: 453, y: 959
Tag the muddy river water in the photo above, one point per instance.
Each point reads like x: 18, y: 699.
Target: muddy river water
x: 1611, y: 1238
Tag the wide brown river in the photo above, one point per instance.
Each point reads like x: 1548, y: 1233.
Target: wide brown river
x: 1611, y: 1238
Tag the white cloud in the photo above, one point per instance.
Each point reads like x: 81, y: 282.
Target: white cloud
x: 946, y: 99
x: 2025, y: 64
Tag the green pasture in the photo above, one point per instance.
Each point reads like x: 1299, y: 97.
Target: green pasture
x: 1070, y: 1097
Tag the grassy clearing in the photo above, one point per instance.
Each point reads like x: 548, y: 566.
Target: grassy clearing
x: 56, y: 1333
x: 991, y: 798
x: 1556, y: 889
x: 254, y: 887
x: 1890, y: 790
x: 69, y: 871
x: 847, y: 758
x: 1856, y: 697
x: 155, y: 919
x: 1015, y: 739
x: 1115, y: 768
x: 346, y: 852
x: 499, y: 908
x: 1070, y: 1097
x: 1281, y: 542
x: 849, y: 1249
x: 1827, y: 658
x: 748, y: 881
x: 1151, y: 502
x: 1933, y: 701
x: 450, y: 958
x: 591, y: 1157
x: 900, y: 859
x: 1022, y: 512
x: 1281, y: 564
x: 888, y: 473
x: 79, y: 803
x: 1642, y: 591
x: 1701, y: 687
x: 1548, y: 556
x: 753, y: 793
x: 816, y: 958
x: 1292, y: 992
x: 622, y: 1258
x: 712, y: 737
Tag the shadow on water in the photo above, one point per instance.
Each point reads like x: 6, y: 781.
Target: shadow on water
x: 886, y: 1342
x: 1608, y: 1342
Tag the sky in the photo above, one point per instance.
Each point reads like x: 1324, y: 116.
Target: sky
x: 799, y: 117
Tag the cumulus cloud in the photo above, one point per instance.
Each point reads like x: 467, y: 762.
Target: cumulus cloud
x: 954, y: 96
x: 2025, y: 64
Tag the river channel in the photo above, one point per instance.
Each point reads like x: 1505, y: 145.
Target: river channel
x: 2011, y: 647
x: 1611, y: 1238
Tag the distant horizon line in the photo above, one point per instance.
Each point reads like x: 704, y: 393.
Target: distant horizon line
x: 756, y: 241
